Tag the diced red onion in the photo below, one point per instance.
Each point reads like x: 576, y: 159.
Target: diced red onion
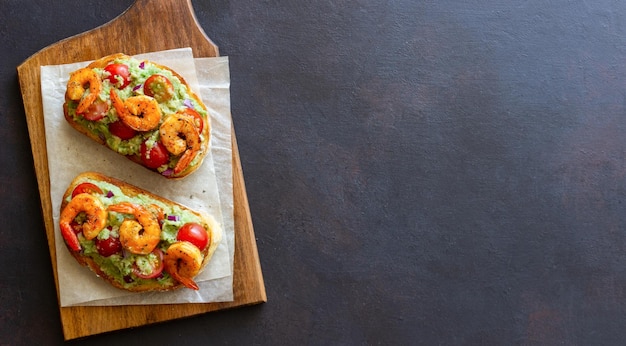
x: 167, y: 172
x: 137, y: 87
x: 172, y: 217
x: 142, y: 65
x: 110, y: 194
x: 188, y: 103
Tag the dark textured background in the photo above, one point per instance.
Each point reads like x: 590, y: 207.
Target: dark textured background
x: 419, y: 172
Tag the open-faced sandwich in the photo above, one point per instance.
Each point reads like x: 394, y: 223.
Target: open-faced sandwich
x: 142, y: 110
x: 133, y: 239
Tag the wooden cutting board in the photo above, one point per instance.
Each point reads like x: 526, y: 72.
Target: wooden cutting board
x: 133, y: 33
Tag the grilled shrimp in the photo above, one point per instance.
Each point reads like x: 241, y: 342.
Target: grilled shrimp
x: 76, y: 88
x: 96, y: 218
x: 183, y: 261
x: 179, y: 135
x: 141, y: 113
x: 140, y: 235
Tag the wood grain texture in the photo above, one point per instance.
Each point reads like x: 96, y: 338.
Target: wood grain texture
x: 132, y: 33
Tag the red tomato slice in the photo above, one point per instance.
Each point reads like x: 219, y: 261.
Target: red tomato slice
x: 195, y: 234
x: 96, y: 111
x: 117, y: 71
x: 86, y: 188
x: 156, y: 157
x: 121, y: 130
x: 157, y: 268
x: 159, y: 87
x: 109, y: 246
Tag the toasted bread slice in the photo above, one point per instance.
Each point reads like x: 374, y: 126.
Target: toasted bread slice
x: 147, y: 94
x: 108, y: 255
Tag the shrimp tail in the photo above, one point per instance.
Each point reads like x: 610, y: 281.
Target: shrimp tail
x: 85, y: 103
x: 123, y: 207
x: 184, y: 161
x: 118, y: 104
x: 187, y: 282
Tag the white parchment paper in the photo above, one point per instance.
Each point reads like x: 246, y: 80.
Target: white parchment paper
x: 209, y: 189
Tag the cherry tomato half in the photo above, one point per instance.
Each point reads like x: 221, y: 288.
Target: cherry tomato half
x: 86, y: 188
x: 197, y: 118
x: 109, y: 246
x: 96, y: 111
x: 156, y: 157
x: 121, y: 130
x: 117, y: 71
x: 159, y: 87
x: 195, y: 234
x: 157, y: 268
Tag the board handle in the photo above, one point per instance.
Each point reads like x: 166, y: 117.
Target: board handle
x: 146, y: 26
x: 168, y: 16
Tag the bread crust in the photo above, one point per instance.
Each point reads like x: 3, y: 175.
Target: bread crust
x: 206, y: 130
x: 133, y: 191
